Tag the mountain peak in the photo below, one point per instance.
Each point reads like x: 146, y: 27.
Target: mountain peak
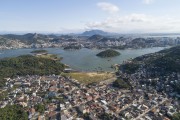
x: 94, y: 32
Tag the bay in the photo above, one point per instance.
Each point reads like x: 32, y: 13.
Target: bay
x: 86, y: 59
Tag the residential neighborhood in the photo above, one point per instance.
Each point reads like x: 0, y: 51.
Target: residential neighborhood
x: 89, y: 60
x: 64, y: 98
x: 34, y: 40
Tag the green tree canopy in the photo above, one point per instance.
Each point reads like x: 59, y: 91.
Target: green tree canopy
x: 13, y: 112
x: 108, y: 53
x: 176, y: 116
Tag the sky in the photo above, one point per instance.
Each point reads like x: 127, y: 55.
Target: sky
x: 73, y: 16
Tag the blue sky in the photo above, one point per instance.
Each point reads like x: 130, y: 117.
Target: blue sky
x: 66, y: 16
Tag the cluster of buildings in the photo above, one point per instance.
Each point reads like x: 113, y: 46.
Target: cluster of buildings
x: 158, y: 93
x: 67, y: 99
x: 31, y: 91
x: 147, y: 77
x: 83, y: 41
x: 13, y: 44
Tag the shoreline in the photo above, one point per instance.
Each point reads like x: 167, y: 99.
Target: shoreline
x: 1, y: 49
x: 84, y: 60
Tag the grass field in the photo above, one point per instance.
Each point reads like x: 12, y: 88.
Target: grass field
x: 90, y: 77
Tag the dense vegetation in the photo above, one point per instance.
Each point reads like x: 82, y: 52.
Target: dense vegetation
x: 14, y: 112
x: 106, y: 116
x: 108, y: 53
x: 161, y: 63
x: 122, y: 84
x: 169, y: 61
x: 129, y: 68
x: 40, y: 108
x: 29, y: 65
x: 39, y: 51
x: 176, y: 116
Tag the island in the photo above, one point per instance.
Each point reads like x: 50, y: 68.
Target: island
x: 39, y: 51
x: 108, y: 53
x: 36, y: 87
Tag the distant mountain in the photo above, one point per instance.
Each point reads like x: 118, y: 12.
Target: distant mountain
x: 105, y: 39
x: 95, y: 37
x: 95, y: 32
x: 100, y: 38
x: 28, y: 38
x: 138, y: 40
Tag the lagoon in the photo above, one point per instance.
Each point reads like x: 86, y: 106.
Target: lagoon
x: 86, y: 59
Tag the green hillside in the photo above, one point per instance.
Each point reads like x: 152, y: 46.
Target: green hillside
x: 164, y: 65
x: 108, y: 53
x: 160, y: 63
x: 29, y: 65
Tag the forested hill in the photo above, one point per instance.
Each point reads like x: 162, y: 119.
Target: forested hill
x: 160, y: 63
x: 160, y: 70
x: 167, y: 60
x: 29, y: 65
x: 108, y: 53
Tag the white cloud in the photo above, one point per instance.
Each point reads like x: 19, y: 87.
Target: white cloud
x: 111, y: 8
x: 137, y: 23
x: 147, y: 1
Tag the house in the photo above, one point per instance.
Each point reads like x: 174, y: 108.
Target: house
x: 63, y: 117
x: 83, y: 109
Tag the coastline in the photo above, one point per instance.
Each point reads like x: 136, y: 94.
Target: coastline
x: 85, y: 60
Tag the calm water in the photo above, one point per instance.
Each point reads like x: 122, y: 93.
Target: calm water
x: 85, y: 59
